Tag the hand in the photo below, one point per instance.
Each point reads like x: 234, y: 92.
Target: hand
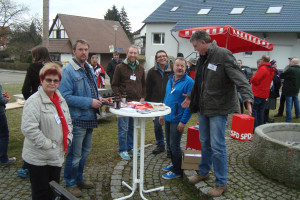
x: 161, y: 120
x: 103, y: 99
x: 180, y: 127
x: 186, y: 102
x: 96, y: 103
x: 142, y: 100
x: 249, y: 107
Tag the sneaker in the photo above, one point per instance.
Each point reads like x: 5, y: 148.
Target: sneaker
x: 75, y: 191
x: 9, y: 161
x: 168, y: 168
x: 217, y: 191
x: 131, y: 152
x: 170, y: 175
x: 85, y: 185
x: 198, y: 178
x: 23, y: 173
x: 158, y: 149
x: 278, y: 115
x: 124, y: 155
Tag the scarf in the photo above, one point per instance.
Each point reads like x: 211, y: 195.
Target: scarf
x: 65, y: 129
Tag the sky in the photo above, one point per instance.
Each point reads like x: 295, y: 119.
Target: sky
x: 137, y: 10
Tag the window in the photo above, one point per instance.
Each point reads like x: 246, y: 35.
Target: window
x: 248, y: 54
x: 174, y: 8
x: 204, y: 11
x: 58, y: 34
x: 158, y: 38
x: 274, y: 9
x: 237, y: 11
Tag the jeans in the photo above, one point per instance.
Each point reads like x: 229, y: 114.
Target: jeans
x: 212, y: 137
x: 77, y: 155
x: 40, y: 176
x: 159, y: 133
x: 125, y: 133
x: 4, y: 137
x: 173, y: 137
x: 289, y: 106
x: 258, y: 111
x: 241, y: 103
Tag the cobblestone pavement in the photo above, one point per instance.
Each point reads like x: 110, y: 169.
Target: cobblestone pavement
x: 243, y: 181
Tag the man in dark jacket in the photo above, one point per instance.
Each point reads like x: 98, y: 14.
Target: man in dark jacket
x: 291, y: 88
x: 110, y: 70
x: 129, y: 77
x: 214, y: 96
x: 156, y: 82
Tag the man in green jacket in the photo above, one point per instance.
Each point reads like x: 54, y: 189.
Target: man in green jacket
x: 291, y: 88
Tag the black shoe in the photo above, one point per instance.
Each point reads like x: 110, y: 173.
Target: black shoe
x: 168, y: 155
x: 278, y: 115
x: 9, y: 161
x: 158, y: 149
x: 270, y: 120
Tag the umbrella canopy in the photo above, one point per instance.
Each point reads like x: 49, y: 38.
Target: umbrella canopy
x: 233, y: 39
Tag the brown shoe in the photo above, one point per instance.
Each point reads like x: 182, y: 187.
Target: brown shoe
x: 217, y: 191
x: 85, y: 185
x: 75, y: 191
x: 198, y: 178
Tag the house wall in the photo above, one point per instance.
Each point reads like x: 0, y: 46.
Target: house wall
x: 285, y: 45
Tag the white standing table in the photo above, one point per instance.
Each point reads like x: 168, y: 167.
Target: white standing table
x: 139, y: 123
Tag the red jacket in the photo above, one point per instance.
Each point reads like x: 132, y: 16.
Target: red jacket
x: 261, y: 81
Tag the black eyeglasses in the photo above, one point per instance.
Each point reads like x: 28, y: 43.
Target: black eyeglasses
x: 49, y: 80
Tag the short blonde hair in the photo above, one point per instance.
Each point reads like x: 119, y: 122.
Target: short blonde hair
x: 50, y: 68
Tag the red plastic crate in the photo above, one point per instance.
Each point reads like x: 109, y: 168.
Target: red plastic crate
x: 242, y: 127
x: 193, y: 141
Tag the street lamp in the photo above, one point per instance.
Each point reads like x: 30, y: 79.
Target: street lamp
x: 115, y: 29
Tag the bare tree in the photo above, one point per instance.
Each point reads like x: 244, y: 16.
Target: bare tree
x: 10, y: 13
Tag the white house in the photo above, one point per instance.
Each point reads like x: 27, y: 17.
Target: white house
x: 275, y: 21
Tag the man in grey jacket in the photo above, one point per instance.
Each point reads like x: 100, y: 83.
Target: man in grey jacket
x: 214, y: 96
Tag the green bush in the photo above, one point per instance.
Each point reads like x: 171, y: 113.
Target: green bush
x: 14, y: 66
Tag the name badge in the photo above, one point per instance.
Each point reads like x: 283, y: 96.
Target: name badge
x: 133, y: 77
x: 212, y: 67
x: 57, y: 119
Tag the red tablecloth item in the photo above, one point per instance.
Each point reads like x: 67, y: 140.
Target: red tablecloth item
x: 242, y: 127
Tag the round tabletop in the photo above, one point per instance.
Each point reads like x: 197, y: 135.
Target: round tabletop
x: 125, y: 113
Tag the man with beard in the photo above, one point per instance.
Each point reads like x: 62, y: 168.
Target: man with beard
x: 79, y: 88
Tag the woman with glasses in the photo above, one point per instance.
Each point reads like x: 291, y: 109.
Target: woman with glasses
x: 47, y: 127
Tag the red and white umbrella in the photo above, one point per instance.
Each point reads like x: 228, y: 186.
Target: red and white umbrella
x: 233, y: 39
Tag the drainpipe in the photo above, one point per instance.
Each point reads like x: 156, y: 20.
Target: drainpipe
x: 176, y: 41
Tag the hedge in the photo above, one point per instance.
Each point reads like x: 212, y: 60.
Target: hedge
x: 14, y: 66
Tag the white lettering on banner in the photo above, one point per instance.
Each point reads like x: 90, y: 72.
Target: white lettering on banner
x: 237, y: 135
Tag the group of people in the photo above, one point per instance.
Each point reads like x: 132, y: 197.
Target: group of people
x: 59, y: 115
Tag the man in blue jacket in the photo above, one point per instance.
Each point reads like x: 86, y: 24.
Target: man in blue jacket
x: 179, y: 83
x: 79, y: 87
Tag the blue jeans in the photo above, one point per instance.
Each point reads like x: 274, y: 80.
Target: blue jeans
x: 173, y: 137
x: 289, y: 106
x: 77, y: 155
x: 4, y: 137
x: 212, y: 137
x: 159, y: 133
x: 125, y: 133
x: 258, y: 111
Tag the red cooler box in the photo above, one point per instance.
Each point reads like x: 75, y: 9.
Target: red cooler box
x: 193, y: 141
x: 242, y: 127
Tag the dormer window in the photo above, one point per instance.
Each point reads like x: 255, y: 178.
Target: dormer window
x: 237, y: 11
x: 204, y: 11
x: 274, y: 9
x: 174, y: 8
